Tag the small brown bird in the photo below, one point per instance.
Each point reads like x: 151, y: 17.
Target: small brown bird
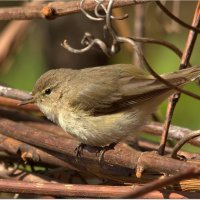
x: 103, y: 105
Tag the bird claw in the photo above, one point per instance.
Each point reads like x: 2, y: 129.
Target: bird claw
x: 102, y: 151
x: 99, y: 153
x: 79, y: 150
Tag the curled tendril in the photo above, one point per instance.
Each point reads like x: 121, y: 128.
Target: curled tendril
x: 184, y: 140
x: 96, y: 11
x: 87, y: 14
x: 98, y: 16
x: 89, y: 41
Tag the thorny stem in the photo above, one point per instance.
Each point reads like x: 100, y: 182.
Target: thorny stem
x: 184, y: 63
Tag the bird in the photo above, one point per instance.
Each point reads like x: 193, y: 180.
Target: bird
x: 100, y: 106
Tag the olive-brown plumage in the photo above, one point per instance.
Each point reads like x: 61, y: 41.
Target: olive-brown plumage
x: 102, y: 105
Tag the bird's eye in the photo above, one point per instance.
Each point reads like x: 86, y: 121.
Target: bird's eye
x: 47, y: 91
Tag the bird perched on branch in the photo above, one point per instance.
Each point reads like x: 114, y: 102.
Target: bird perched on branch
x: 102, y: 105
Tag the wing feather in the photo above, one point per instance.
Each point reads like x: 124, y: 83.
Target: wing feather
x: 114, y: 88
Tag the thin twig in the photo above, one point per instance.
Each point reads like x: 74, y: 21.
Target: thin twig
x: 14, y: 93
x: 184, y: 63
x: 57, y: 189
x: 77, y: 190
x: 183, y: 141
x: 175, y: 132
x: 184, y: 174
x: 176, y: 19
x: 56, y: 9
x: 167, y: 44
x: 172, y: 26
x: 146, y: 145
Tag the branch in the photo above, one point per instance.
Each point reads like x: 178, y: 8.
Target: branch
x: 175, y: 132
x: 76, y: 190
x: 15, y: 104
x: 122, y: 169
x: 184, y: 174
x: 183, y: 141
x: 124, y: 160
x: 176, y: 19
x: 14, y: 93
x: 56, y: 9
x: 173, y: 100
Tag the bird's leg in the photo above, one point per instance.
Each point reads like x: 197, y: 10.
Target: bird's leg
x: 79, y: 150
x: 104, y: 149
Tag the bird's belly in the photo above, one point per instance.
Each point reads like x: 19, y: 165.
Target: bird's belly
x: 102, y: 130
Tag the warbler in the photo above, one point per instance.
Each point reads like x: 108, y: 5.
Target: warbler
x: 102, y: 105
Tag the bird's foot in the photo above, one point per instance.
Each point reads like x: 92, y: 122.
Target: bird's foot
x: 79, y: 150
x: 102, y: 151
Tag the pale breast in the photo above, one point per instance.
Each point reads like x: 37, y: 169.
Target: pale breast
x: 101, y: 130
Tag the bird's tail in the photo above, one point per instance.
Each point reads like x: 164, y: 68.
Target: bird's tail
x: 183, y: 76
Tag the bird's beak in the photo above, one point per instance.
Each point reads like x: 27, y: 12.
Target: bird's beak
x: 31, y: 100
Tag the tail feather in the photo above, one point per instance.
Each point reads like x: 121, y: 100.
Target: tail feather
x: 160, y: 91
x: 183, y: 76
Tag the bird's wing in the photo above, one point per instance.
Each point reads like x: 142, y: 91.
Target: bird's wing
x: 116, y: 89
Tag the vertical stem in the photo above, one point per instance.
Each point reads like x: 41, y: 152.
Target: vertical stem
x: 184, y: 62
x: 138, y: 30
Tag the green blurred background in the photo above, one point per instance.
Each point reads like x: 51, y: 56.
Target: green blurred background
x: 41, y: 47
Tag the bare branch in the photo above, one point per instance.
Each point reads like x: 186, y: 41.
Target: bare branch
x: 173, y: 100
x: 4, y: 101
x: 56, y: 9
x: 75, y: 190
x: 122, y: 156
x: 164, y: 43
x: 14, y: 93
x: 183, y: 141
x: 184, y: 174
x: 176, y: 19
x: 175, y: 132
